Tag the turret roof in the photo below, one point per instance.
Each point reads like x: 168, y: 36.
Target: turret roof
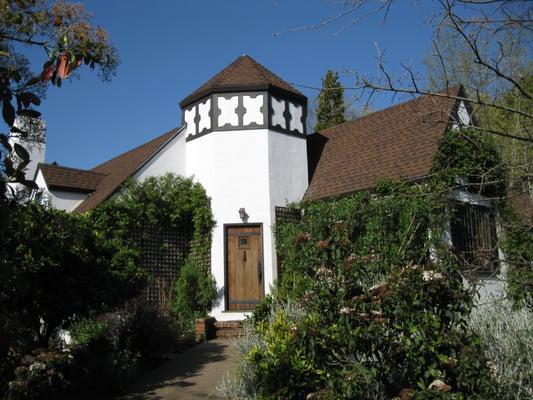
x: 241, y: 75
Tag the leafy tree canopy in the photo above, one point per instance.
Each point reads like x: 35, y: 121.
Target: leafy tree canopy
x: 65, y: 34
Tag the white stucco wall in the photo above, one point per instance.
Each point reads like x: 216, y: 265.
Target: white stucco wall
x: 287, y: 159
x: 233, y: 168
x: 171, y: 158
x: 67, y: 201
x: 59, y: 199
x: 251, y: 169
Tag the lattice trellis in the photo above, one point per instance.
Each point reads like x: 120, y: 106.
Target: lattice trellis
x: 285, y: 215
x: 163, y: 251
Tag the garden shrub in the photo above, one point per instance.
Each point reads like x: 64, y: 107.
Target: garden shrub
x: 153, y: 333
x: 86, y: 331
x: 109, y: 349
x: 56, y: 269
x: 370, y: 313
x: 53, y: 269
x: 517, y: 244
x: 168, y: 201
x: 43, y: 375
x: 507, y: 339
x: 64, y: 269
x: 102, y: 352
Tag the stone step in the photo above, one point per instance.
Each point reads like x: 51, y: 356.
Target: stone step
x: 229, y: 333
x: 228, y: 329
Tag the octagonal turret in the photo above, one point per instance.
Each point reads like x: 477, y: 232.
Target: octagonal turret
x: 244, y: 95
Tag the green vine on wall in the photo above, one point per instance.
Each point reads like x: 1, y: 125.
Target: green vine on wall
x: 471, y: 161
x: 167, y: 201
x: 468, y: 160
x: 371, y: 302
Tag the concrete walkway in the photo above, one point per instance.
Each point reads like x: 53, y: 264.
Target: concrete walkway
x: 192, y: 374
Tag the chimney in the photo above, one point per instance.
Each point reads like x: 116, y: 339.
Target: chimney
x: 33, y: 140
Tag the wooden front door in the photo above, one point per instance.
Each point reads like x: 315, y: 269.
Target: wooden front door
x: 244, y: 265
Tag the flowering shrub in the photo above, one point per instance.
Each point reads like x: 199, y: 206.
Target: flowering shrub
x: 43, y: 375
x: 371, y: 314
x: 108, y: 350
x: 54, y: 267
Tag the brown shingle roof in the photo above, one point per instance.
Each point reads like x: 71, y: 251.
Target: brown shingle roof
x: 119, y: 169
x: 397, y: 143
x: 70, y: 179
x: 243, y: 74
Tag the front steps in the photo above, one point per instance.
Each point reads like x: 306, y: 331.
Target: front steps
x: 228, y: 329
x: 210, y: 328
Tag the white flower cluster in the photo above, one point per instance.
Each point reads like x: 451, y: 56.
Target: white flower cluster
x: 432, y: 276
x: 37, y: 366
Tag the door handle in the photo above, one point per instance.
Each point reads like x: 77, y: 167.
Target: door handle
x: 259, y: 272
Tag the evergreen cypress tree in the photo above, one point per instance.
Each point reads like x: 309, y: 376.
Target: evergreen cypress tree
x: 331, y: 106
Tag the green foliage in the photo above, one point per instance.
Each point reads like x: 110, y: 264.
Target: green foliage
x: 64, y: 34
x: 402, y: 335
x: 169, y: 199
x: 331, y: 106
x: 64, y: 267
x: 469, y: 160
x: 54, y: 268
x: 166, y: 201
x: 369, y: 314
x: 86, y: 331
x: 375, y: 232
x: 517, y: 244
x: 193, y: 292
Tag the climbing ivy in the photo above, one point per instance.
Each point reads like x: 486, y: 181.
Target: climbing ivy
x: 371, y: 302
x: 168, y: 201
x: 468, y: 160
x: 471, y: 161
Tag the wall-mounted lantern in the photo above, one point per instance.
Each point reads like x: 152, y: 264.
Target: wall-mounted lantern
x: 243, y: 215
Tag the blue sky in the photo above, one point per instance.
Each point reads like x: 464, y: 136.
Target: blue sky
x: 170, y: 47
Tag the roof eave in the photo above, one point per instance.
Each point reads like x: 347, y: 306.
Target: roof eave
x: 242, y: 88
x: 70, y: 189
x: 409, y: 180
x: 81, y: 208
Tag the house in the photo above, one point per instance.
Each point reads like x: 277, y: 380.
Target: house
x: 244, y: 139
